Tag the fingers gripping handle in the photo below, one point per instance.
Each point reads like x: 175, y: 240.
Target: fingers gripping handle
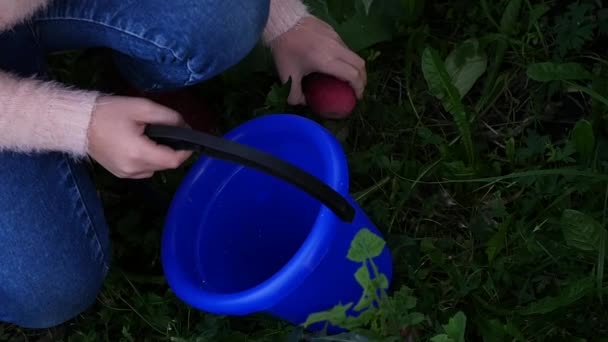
x: 180, y: 138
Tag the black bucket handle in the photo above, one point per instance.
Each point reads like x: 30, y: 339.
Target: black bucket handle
x: 182, y: 138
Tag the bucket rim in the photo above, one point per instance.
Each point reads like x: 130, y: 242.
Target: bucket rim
x: 269, y: 292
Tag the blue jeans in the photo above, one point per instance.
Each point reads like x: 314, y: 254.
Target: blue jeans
x: 54, y: 241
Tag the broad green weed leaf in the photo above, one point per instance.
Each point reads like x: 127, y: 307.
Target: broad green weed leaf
x: 583, y: 138
x: 403, y: 299
x: 548, y: 71
x: 381, y: 281
x: 431, y: 68
x: 335, y: 315
x: 465, y: 64
x: 441, y: 86
x: 277, y: 96
x: 456, y: 327
x: 365, y: 245
x: 569, y: 295
x: 510, y: 17
x: 536, y: 12
x: 442, y: 338
x: 321, y: 10
x: 454, y: 330
x: 575, y: 27
x: 497, y: 243
x: 414, y: 318
x: 580, y: 230
x: 344, y: 337
x: 427, y: 247
x: 341, y: 10
x: 369, y: 287
x: 427, y: 137
x: 363, y: 278
x: 376, y: 28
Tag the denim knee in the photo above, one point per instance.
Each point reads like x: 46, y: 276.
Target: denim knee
x: 54, y: 241
x: 159, y: 44
x: 202, y: 40
x: 56, y: 300
x: 225, y: 38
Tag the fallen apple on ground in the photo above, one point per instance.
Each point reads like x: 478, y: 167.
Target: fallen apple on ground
x: 329, y: 96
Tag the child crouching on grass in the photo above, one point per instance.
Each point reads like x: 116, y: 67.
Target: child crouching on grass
x: 54, y: 245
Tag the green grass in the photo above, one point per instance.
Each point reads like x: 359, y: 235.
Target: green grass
x: 480, y: 151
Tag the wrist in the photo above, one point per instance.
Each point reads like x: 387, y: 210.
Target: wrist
x: 283, y: 16
x: 93, y: 121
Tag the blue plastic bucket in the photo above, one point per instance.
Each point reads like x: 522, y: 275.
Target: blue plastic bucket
x: 239, y: 241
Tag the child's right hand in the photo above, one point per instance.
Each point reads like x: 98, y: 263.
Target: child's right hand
x: 116, y: 137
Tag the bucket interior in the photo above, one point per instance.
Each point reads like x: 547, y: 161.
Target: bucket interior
x: 244, y: 225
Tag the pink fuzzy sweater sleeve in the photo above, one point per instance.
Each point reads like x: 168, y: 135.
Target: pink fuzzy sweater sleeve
x: 46, y: 116
x: 13, y: 12
x: 284, y: 14
x: 36, y: 115
x: 43, y: 116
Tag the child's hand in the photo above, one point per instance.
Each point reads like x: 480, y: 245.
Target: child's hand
x: 313, y: 46
x: 117, y: 141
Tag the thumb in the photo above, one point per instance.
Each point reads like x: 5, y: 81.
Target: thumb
x: 160, y: 156
x: 296, y: 97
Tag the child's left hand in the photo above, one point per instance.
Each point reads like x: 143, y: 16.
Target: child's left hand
x: 314, y: 46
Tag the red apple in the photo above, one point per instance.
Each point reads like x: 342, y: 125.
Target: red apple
x: 328, y: 96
